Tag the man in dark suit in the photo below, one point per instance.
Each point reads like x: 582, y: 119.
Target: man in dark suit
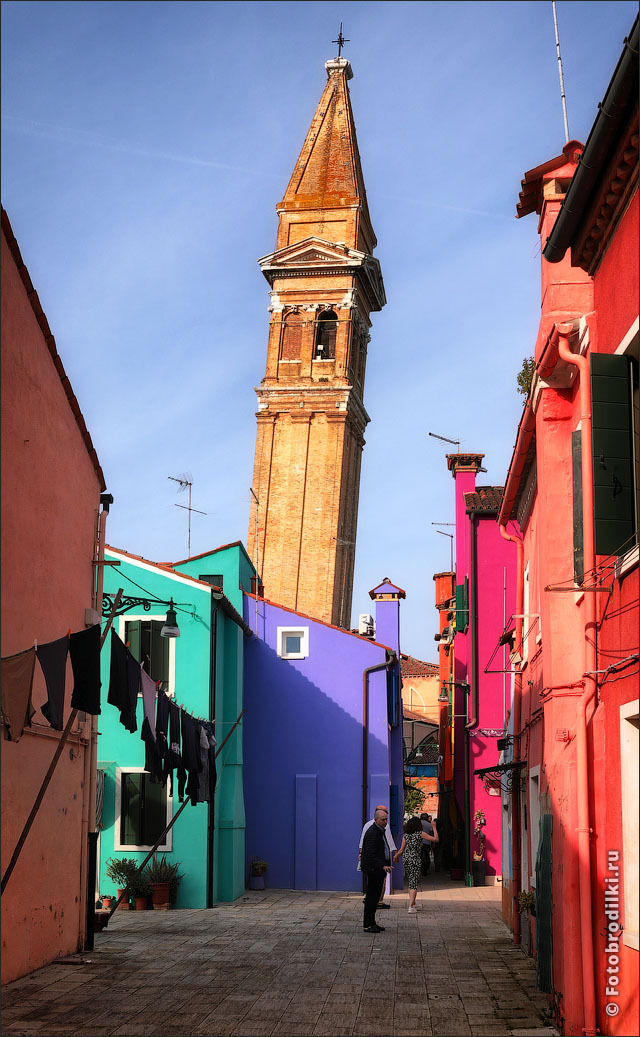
x: 375, y: 863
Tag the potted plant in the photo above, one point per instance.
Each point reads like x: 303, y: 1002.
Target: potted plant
x: 141, y: 891
x: 478, y: 866
x: 257, y: 870
x: 121, y: 871
x: 107, y: 901
x: 160, y: 875
x: 527, y: 902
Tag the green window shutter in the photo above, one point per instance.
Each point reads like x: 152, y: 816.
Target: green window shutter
x: 133, y: 634
x: 544, y: 905
x: 613, y: 489
x: 159, y: 652
x: 462, y: 605
x: 131, y: 809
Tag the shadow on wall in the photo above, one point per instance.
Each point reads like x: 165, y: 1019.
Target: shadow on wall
x: 303, y: 771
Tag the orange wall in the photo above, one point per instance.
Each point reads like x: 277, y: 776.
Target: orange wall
x: 50, y: 503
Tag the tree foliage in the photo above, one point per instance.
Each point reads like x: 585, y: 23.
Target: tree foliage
x: 525, y: 376
x: 413, y: 799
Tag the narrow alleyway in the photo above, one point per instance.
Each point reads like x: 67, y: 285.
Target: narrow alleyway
x: 293, y: 963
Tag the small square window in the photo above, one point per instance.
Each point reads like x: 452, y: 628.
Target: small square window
x: 293, y: 642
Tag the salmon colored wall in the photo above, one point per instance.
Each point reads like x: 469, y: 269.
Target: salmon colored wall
x: 50, y: 503
x: 618, y: 638
x: 616, y: 297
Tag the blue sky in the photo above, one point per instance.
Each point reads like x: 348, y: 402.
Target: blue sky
x: 145, y: 146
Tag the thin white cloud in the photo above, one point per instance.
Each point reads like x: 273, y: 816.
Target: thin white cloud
x: 87, y: 138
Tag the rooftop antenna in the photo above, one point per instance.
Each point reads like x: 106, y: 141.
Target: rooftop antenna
x: 450, y: 535
x: 564, y: 102
x: 445, y: 439
x: 340, y: 41
x: 186, y: 482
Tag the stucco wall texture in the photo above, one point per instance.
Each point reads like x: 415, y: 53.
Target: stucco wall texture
x: 50, y: 501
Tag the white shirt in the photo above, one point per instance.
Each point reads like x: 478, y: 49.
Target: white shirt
x: 387, y: 835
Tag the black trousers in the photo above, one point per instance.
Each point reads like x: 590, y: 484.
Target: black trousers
x: 375, y: 883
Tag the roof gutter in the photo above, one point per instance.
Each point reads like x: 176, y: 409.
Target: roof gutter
x: 605, y: 131
x: 228, y: 609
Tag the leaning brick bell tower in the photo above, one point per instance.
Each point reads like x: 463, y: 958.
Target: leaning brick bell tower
x: 311, y: 418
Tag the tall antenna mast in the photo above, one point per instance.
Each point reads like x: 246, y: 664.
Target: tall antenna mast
x: 186, y: 482
x: 564, y: 101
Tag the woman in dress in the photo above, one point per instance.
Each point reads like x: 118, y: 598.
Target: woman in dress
x: 412, y: 842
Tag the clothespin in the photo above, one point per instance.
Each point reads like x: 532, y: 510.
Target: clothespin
x: 69, y: 632
x: 35, y: 643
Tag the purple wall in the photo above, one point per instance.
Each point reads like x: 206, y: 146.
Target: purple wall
x: 303, y: 750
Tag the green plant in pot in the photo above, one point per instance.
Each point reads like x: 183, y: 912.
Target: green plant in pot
x: 121, y: 871
x: 164, y: 879
x: 140, y: 890
x: 257, y: 870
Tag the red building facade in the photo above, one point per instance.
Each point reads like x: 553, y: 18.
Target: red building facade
x: 573, y: 488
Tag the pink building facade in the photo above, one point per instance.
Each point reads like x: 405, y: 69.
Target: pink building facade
x: 485, y: 604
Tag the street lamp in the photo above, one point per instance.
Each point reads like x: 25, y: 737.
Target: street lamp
x: 170, y: 627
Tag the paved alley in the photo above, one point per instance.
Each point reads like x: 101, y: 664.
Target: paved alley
x: 291, y: 963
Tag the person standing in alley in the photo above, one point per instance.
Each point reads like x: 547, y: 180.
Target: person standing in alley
x: 425, y: 820
x: 392, y: 848
x: 376, y: 864
x: 412, y: 843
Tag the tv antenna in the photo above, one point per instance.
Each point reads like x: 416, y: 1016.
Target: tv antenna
x: 564, y: 100
x: 445, y: 439
x: 186, y: 482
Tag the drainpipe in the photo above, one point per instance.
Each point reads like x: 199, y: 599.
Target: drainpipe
x: 563, y: 331
x: 517, y: 697
x: 473, y: 719
x: 391, y: 659
x: 215, y: 605
x: 91, y: 752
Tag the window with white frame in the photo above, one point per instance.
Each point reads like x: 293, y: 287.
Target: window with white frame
x: 629, y: 761
x: 293, y: 642
x: 143, y: 810
x: 156, y: 654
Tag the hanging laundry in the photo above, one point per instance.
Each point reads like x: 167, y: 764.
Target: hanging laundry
x: 162, y: 732
x: 124, y: 682
x: 173, y: 758
x: 152, y: 755
x: 118, y: 694
x: 84, y: 649
x: 207, y: 779
x: 191, y: 753
x: 53, y: 663
x: 149, y: 701
x: 129, y: 717
x: 17, y: 685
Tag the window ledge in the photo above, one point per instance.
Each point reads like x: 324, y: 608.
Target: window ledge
x: 626, y: 563
x: 630, y: 939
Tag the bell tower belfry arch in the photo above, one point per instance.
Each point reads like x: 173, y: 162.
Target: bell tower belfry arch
x: 311, y: 418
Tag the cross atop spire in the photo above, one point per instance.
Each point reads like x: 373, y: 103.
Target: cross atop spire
x: 340, y: 41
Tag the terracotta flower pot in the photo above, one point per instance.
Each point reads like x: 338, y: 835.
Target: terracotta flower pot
x: 124, y: 904
x: 142, y: 903
x: 160, y: 893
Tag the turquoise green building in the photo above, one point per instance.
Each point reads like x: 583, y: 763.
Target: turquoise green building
x: 202, y: 670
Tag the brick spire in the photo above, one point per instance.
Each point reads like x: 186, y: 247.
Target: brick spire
x: 328, y: 173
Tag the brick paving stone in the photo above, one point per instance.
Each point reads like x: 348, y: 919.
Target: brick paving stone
x: 292, y: 964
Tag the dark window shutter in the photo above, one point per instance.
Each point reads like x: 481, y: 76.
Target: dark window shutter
x: 578, y: 547
x: 611, y: 417
x: 133, y: 634
x: 131, y: 809
x: 462, y: 605
x: 544, y: 904
x: 159, y: 654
